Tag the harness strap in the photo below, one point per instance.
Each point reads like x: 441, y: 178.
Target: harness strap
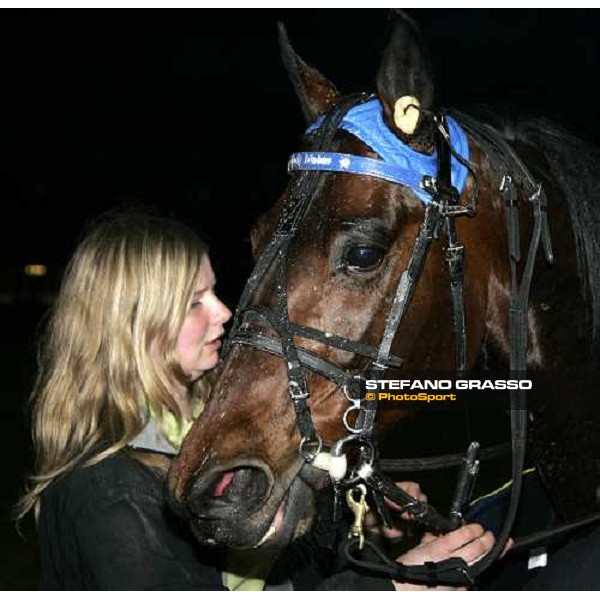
x: 444, y: 205
x: 518, y: 362
x: 408, y: 281
x: 454, y: 253
x: 295, y: 208
x: 422, y: 511
x: 260, y: 270
x: 292, y: 213
x: 267, y: 317
x: 331, y: 339
x: 337, y: 162
x: 536, y: 539
x: 453, y: 571
x: 271, y: 345
x: 454, y: 257
x: 297, y: 388
x: 433, y: 463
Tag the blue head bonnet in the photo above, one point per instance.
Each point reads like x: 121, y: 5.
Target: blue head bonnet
x: 399, y: 163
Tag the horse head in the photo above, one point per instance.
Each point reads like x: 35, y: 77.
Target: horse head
x: 352, y: 274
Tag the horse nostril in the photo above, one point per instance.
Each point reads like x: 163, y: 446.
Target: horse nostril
x: 217, y: 495
x: 223, y: 483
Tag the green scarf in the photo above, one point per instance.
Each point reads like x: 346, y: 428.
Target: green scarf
x: 247, y: 571
x: 173, y: 429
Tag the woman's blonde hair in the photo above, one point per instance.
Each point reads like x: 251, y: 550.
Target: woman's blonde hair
x: 110, y: 344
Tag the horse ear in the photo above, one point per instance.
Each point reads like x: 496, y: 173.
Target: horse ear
x: 405, y: 82
x: 315, y: 92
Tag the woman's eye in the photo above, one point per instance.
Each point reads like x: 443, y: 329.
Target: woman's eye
x: 362, y: 258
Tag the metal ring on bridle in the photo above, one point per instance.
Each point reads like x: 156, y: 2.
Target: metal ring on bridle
x: 345, y: 418
x: 345, y: 390
x: 338, y: 448
x: 364, y: 445
x: 307, y: 454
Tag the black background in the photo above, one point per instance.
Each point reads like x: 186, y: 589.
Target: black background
x: 191, y: 111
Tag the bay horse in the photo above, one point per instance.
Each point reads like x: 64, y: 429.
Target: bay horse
x: 390, y: 198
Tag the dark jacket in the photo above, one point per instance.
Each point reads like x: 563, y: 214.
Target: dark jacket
x: 106, y: 527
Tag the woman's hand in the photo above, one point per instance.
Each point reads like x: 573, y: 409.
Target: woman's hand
x: 391, y: 533
x: 470, y: 542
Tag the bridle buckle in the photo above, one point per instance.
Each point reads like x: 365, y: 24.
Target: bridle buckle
x: 296, y: 391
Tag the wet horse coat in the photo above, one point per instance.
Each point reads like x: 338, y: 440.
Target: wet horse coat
x: 240, y: 476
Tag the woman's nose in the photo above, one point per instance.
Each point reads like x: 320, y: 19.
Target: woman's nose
x: 224, y: 314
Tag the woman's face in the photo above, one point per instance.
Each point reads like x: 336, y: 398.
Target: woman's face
x: 199, y: 338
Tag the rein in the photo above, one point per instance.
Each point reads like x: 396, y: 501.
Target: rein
x: 250, y: 322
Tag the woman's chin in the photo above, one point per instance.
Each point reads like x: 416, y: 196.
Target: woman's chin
x: 208, y: 362
x: 206, y: 365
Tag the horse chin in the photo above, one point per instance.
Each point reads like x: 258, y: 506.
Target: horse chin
x: 295, y: 514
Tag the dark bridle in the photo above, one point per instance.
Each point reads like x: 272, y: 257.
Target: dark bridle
x: 252, y: 321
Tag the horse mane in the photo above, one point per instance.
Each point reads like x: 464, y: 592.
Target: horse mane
x: 573, y: 164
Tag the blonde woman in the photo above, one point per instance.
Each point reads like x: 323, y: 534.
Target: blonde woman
x: 136, y: 325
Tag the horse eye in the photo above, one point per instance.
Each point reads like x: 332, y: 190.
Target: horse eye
x: 362, y: 258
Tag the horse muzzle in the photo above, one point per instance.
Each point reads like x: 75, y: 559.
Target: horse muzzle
x: 239, y: 505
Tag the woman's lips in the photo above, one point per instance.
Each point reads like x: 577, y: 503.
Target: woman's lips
x: 214, y: 345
